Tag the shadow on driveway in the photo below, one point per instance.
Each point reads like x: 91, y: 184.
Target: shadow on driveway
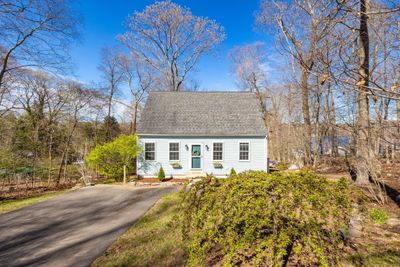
x: 75, y: 228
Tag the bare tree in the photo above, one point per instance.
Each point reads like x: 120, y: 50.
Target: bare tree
x: 362, y: 64
x: 276, y: 102
x: 139, y: 81
x: 77, y: 99
x: 303, y: 25
x: 171, y: 40
x: 42, y: 98
x: 248, y: 63
x: 34, y: 34
x: 113, y: 75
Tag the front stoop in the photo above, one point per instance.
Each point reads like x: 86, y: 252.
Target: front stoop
x: 195, y: 174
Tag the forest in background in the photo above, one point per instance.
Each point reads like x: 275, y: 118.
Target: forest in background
x: 336, y: 100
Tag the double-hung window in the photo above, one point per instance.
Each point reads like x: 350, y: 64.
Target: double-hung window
x: 244, y: 151
x: 149, y: 151
x: 217, y: 151
x: 174, y: 151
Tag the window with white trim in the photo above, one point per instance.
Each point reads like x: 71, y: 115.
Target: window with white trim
x: 149, y: 151
x: 217, y: 151
x: 173, y: 151
x: 244, y: 151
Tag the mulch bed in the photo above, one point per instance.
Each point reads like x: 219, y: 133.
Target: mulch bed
x: 21, y: 192
x: 156, y: 180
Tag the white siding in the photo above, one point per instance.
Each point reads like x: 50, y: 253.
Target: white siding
x: 258, y: 155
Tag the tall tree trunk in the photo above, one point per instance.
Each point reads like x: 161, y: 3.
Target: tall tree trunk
x: 50, y: 157
x: 306, y: 115
x: 134, y: 126
x: 386, y: 102
x: 66, y: 166
x: 363, y: 146
x: 63, y: 156
x: 108, y: 126
x: 384, y: 139
x: 263, y: 108
x: 332, y: 122
x: 318, y: 133
x: 397, y: 144
x: 133, y: 131
x: 110, y: 99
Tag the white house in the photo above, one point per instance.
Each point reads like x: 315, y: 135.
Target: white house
x: 196, y: 133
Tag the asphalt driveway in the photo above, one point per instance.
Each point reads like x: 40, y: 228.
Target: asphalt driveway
x: 72, y: 229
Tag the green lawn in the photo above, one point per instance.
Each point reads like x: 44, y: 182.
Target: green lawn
x: 154, y: 241
x: 105, y: 181
x: 382, y: 259
x: 10, y: 205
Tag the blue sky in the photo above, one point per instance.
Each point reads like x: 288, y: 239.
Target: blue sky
x: 103, y: 21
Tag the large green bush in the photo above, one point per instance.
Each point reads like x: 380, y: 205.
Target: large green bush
x: 110, y: 158
x: 261, y: 219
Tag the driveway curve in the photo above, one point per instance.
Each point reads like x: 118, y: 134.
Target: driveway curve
x: 75, y: 228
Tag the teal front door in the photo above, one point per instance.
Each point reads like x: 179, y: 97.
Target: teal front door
x: 196, y: 156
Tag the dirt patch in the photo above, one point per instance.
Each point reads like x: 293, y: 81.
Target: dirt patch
x: 22, y: 192
x: 391, y: 181
x: 379, y: 244
x: 334, y: 169
x: 330, y: 165
x: 156, y: 180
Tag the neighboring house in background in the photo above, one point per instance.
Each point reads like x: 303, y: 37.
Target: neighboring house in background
x: 196, y: 133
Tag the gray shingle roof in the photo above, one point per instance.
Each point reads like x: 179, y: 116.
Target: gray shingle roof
x: 201, y: 114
